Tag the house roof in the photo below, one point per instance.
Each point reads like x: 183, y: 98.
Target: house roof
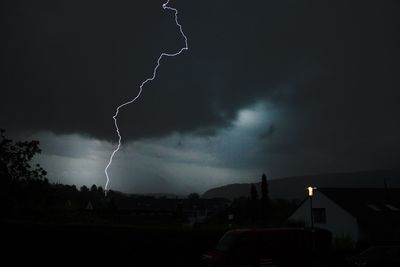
x: 371, y: 207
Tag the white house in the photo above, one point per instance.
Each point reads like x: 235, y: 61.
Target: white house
x: 363, y: 214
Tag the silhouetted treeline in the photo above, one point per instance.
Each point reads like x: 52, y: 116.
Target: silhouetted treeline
x: 255, y: 210
x: 26, y: 194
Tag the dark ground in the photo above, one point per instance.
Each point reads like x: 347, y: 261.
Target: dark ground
x: 40, y: 244
x: 51, y: 244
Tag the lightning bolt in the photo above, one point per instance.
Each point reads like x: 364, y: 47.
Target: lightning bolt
x: 165, y: 7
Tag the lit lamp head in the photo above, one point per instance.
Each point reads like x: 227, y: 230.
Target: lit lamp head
x: 310, y: 190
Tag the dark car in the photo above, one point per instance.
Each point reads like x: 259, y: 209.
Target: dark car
x: 278, y: 247
x: 382, y: 256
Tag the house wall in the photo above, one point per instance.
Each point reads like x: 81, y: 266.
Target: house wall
x: 338, y: 221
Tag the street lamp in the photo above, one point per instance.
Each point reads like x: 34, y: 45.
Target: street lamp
x: 310, y: 190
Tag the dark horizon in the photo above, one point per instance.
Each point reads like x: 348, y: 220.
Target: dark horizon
x: 385, y: 176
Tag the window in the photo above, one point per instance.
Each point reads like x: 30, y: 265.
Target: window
x: 319, y: 215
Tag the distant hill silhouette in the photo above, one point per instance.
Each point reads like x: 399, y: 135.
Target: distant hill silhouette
x: 295, y: 187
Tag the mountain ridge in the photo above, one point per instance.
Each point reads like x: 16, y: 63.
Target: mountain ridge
x: 294, y: 187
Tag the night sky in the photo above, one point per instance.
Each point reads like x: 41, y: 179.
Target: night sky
x: 284, y: 87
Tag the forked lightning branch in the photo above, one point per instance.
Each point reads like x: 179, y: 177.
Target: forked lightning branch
x: 165, y: 6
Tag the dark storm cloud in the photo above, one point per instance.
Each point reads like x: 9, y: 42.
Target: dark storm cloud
x: 66, y: 65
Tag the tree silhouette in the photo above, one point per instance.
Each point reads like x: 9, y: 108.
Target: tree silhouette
x: 15, y: 158
x: 193, y: 196
x: 253, y: 202
x: 93, y: 189
x: 264, y: 198
x: 100, y: 190
x: 84, y: 189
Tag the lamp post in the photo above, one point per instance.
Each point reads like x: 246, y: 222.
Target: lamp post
x: 310, y: 190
